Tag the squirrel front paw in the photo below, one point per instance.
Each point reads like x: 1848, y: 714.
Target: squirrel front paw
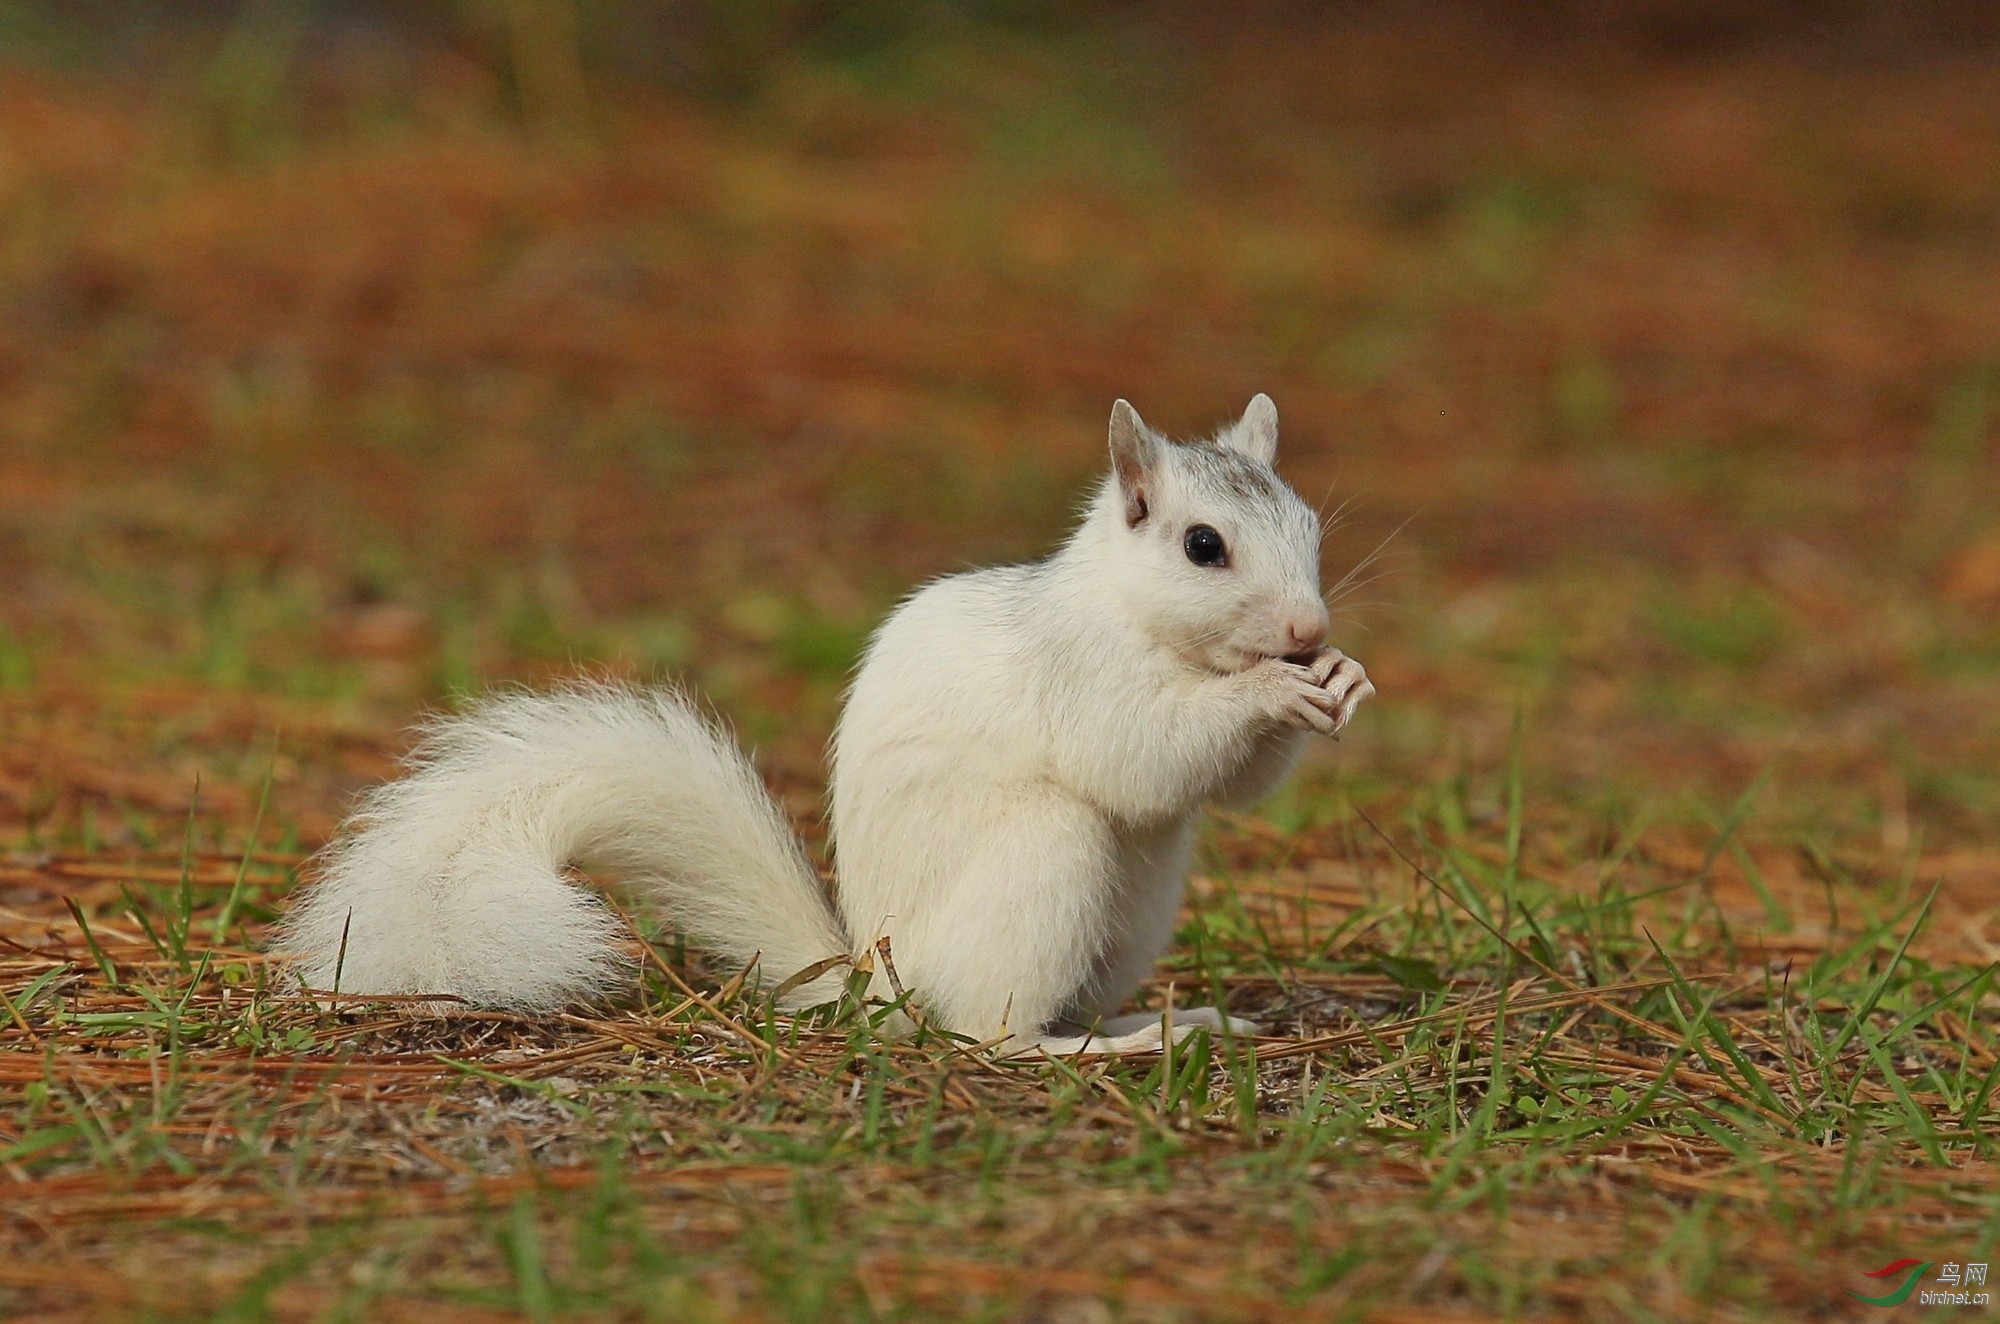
x: 1290, y: 693
x: 1318, y: 696
x: 1344, y: 680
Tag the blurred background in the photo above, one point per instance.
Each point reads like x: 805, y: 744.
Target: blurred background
x: 355, y: 354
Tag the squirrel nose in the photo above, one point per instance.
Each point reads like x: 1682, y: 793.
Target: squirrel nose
x: 1307, y: 632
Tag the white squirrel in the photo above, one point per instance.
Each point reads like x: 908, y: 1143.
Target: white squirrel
x: 1017, y: 778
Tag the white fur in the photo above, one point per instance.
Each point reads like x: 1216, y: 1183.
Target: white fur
x: 454, y: 879
x: 1017, y: 779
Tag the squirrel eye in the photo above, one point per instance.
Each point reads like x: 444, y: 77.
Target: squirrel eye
x: 1204, y: 546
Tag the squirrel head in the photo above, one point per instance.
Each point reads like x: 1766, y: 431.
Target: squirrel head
x: 1213, y: 554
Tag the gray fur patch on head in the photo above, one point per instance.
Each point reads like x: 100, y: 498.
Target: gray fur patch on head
x: 1227, y: 472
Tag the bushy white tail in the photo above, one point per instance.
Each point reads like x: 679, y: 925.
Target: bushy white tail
x: 453, y: 879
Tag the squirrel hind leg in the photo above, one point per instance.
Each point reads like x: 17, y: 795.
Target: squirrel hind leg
x: 1184, y: 1020
x: 1141, y: 1032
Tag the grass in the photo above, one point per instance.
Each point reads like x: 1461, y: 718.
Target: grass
x: 1458, y: 1072
x: 1632, y: 957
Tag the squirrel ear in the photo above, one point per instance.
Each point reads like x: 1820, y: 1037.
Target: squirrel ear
x: 1134, y: 458
x: 1256, y: 433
